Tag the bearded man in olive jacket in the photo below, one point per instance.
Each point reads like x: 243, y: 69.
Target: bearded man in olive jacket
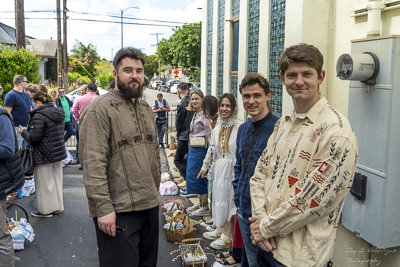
x: 121, y: 167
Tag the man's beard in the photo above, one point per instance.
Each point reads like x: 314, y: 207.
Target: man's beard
x: 129, y: 91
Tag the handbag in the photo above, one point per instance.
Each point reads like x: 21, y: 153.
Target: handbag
x: 27, y: 160
x: 198, y: 141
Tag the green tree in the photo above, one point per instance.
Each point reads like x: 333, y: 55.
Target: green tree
x: 13, y: 62
x: 88, y: 57
x: 151, y: 66
x: 104, y: 74
x: 183, y: 48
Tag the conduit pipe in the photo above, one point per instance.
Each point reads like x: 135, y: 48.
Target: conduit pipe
x: 374, y: 8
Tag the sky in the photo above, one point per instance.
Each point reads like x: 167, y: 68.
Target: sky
x: 163, y: 15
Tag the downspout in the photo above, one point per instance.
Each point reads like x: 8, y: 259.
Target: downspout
x: 374, y: 17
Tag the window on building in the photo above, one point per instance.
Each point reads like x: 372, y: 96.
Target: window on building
x: 235, y: 45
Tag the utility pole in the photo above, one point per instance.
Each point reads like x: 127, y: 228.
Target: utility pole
x: 65, y: 69
x: 19, y: 24
x: 159, y: 65
x: 59, y: 53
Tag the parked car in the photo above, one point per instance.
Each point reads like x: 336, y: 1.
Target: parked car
x: 174, y: 88
x: 154, y: 84
x: 75, y: 93
x: 170, y: 83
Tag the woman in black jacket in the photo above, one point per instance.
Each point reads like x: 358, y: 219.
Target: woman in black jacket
x: 45, y: 132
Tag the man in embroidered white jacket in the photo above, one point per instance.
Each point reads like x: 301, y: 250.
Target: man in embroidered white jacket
x: 303, y: 176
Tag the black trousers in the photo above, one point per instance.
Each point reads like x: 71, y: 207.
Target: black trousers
x: 266, y: 259
x: 179, y: 160
x: 136, y: 246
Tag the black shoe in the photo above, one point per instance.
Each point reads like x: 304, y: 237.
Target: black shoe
x: 74, y: 162
x: 56, y: 212
x: 39, y: 215
x: 80, y: 168
x: 162, y: 145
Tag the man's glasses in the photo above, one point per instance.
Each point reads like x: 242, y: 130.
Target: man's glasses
x: 62, y: 92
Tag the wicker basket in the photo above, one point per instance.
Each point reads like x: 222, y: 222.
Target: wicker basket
x: 177, y: 236
x: 194, y: 246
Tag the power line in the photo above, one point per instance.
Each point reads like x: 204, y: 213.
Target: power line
x: 111, y: 15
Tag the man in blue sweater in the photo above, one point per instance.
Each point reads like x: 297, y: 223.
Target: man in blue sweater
x: 251, y: 140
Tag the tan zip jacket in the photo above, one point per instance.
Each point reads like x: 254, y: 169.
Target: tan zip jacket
x: 119, y: 153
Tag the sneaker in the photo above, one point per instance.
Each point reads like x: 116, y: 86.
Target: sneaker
x: 211, y: 228
x: 220, y: 244
x: 179, y: 180
x: 39, y: 215
x: 214, y: 235
x: 74, y: 162
x: 201, y: 212
x: 56, y: 212
x: 184, y: 193
x: 194, y: 208
x: 183, y: 184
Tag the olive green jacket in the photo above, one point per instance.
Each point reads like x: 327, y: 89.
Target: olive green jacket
x: 119, y: 153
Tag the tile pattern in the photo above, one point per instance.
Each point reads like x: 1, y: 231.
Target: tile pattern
x: 234, y: 85
x: 221, y: 28
x: 209, y: 44
x: 253, y: 38
x: 277, y: 41
x: 235, y: 8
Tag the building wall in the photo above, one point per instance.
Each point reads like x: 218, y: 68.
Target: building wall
x: 330, y: 26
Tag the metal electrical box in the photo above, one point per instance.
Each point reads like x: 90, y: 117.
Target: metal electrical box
x: 372, y: 210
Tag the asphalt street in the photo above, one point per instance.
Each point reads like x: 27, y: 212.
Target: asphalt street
x: 69, y: 239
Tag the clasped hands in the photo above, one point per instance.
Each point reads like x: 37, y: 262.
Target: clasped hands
x: 256, y: 237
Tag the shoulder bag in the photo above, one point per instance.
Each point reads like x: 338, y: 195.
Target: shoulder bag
x: 27, y: 160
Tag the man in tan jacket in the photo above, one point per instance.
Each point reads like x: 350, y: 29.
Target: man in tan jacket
x: 303, y: 176
x: 120, y: 157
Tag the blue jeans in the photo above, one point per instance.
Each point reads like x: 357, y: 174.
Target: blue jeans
x: 266, y: 259
x: 69, y: 130
x: 250, y: 249
x: 21, y: 141
x: 161, y: 124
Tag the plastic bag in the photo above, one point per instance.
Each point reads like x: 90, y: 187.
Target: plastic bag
x: 28, y: 188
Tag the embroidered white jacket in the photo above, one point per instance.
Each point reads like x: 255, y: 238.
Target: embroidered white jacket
x: 301, y: 181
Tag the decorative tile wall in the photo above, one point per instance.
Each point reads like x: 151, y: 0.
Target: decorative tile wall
x: 209, y: 45
x: 254, y: 25
x: 235, y: 8
x: 234, y: 85
x: 221, y: 28
x: 277, y: 41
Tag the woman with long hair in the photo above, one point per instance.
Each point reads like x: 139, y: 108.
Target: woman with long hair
x: 200, y: 131
x: 45, y: 133
x: 223, y: 158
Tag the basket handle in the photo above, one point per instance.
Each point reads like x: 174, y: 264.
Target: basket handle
x: 197, y: 239
x: 177, y: 203
x: 19, y: 206
x: 184, y: 215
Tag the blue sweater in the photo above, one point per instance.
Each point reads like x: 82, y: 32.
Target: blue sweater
x: 251, y: 141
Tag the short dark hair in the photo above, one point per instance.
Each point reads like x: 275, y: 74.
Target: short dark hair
x: 112, y: 84
x: 256, y: 78
x: 92, y: 87
x: 42, y: 88
x: 182, y: 86
x: 18, y: 79
x: 301, y: 53
x: 145, y: 82
x: 159, y: 95
x: 129, y: 52
x: 58, y: 90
